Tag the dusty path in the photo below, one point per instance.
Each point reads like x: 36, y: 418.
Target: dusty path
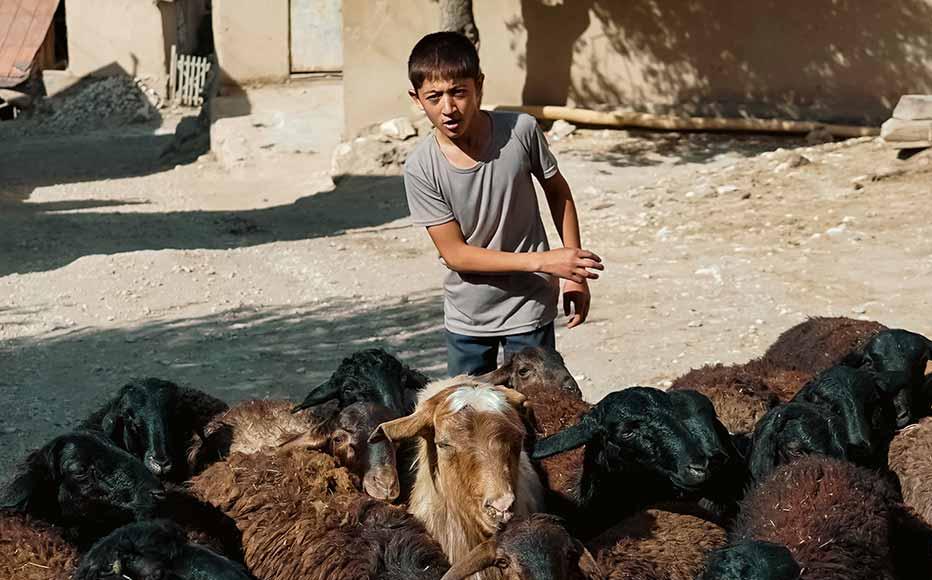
x: 254, y: 282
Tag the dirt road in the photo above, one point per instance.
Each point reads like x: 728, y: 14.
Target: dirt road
x: 254, y: 282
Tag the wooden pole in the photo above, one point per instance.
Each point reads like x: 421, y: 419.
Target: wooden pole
x: 670, y: 123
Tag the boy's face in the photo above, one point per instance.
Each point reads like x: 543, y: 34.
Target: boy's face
x: 451, y: 104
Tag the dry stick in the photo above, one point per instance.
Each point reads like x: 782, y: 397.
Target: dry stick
x: 671, y: 123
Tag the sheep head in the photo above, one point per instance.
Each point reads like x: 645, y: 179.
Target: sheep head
x: 472, y: 439
x: 83, y: 479
x: 751, y: 559
x: 534, y: 369
x: 138, y: 421
x: 374, y: 462
x: 898, y: 358
x: 793, y: 430
x: 668, y: 437
x: 530, y: 548
x: 371, y: 375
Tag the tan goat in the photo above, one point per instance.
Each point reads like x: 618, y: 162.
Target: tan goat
x: 472, y: 473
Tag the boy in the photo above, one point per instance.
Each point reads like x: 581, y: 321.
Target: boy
x: 470, y: 185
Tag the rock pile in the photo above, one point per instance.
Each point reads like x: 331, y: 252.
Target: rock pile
x: 911, y: 124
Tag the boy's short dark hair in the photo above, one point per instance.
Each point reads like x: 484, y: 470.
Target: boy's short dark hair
x: 444, y: 55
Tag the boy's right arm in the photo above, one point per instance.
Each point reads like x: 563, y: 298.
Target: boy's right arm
x: 569, y: 263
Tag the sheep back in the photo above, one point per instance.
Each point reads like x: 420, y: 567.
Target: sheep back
x: 656, y: 545
x: 910, y: 458
x: 740, y: 396
x: 834, y: 516
x: 33, y: 550
x: 820, y: 342
x: 554, y: 411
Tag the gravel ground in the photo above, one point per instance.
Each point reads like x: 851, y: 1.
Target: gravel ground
x: 253, y: 282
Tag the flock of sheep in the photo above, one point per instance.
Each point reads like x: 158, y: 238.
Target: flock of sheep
x: 813, y: 461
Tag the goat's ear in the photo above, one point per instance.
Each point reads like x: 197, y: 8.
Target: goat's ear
x: 417, y: 423
x: 514, y: 398
x: 570, y: 438
x: 481, y: 557
x: 587, y: 564
x: 325, y: 391
x: 763, y: 455
x: 500, y: 376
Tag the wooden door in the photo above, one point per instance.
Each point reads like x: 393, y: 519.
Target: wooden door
x: 316, y: 36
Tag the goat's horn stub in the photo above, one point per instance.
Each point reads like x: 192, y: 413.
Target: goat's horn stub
x: 570, y: 438
x: 480, y: 558
x: 323, y: 393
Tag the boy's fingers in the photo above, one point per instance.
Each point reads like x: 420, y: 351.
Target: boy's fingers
x: 574, y: 321
x: 592, y: 264
x: 588, y: 254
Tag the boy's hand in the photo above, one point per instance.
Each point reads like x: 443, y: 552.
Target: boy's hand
x: 571, y: 264
x: 576, y: 294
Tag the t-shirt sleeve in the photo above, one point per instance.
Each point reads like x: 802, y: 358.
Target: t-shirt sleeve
x: 426, y: 204
x: 543, y: 163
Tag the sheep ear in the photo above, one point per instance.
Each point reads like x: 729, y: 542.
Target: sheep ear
x: 481, y: 557
x: 415, y: 424
x: 587, y: 564
x: 763, y: 455
x: 570, y: 438
x: 31, y: 481
x: 321, y: 394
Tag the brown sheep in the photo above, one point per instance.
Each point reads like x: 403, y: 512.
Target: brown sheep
x: 836, y: 518
x: 820, y: 342
x: 252, y: 426
x: 33, y: 550
x: 472, y: 471
x: 743, y: 393
x: 301, y: 516
x: 656, y: 545
x: 910, y: 459
x: 532, y: 370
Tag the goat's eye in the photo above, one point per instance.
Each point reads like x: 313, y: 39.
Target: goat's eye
x: 524, y: 372
x: 444, y: 445
x: 501, y: 563
x: 628, y: 435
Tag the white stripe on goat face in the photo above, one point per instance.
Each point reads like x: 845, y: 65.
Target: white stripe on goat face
x: 479, y: 398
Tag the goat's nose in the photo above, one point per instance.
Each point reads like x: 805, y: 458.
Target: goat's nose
x: 158, y: 494
x: 697, y: 472
x: 500, y: 507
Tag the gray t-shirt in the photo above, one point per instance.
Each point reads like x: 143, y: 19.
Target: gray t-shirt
x: 496, y: 207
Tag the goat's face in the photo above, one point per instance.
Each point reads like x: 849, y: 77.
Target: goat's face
x: 899, y: 358
x: 855, y: 397
x: 139, y: 422
x: 474, y: 437
x: 794, y: 430
x: 536, y: 547
x: 83, y: 479
x: 373, y: 462
x: 751, y: 559
x: 533, y: 369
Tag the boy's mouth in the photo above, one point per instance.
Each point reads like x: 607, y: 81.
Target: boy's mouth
x: 452, y: 124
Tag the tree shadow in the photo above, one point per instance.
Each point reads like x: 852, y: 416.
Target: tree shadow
x: 840, y: 61
x: 241, y: 353
x: 39, y: 239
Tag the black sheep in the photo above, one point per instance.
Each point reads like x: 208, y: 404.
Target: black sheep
x: 81, y: 480
x: 751, y: 560
x: 792, y: 430
x: 898, y: 358
x: 156, y: 420
x: 370, y: 376
x: 864, y: 408
x: 154, y: 550
x: 645, y: 445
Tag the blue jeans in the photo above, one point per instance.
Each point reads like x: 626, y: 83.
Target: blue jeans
x: 476, y: 355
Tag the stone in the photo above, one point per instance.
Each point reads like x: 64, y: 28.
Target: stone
x: 399, y: 128
x: 914, y: 108
x: 721, y: 190
x: 792, y: 162
x: 915, y: 133
x: 561, y: 130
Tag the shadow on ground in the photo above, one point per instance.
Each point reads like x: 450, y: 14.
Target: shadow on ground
x: 33, y: 238
x: 238, y: 354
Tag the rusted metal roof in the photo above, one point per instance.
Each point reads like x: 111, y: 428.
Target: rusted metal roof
x: 23, y: 26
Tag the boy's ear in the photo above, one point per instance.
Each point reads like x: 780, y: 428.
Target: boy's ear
x: 479, y: 80
x: 413, y: 94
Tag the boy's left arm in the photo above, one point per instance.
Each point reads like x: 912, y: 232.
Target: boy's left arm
x: 563, y: 210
